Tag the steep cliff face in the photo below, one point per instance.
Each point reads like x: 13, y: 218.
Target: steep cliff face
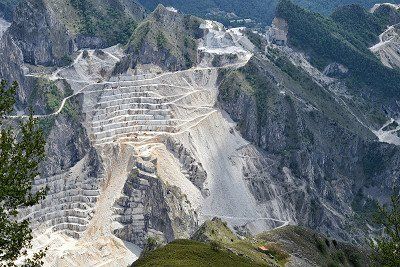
x: 11, y: 60
x: 388, y: 47
x: 315, y: 140
x: 54, y: 30
x: 43, y: 39
x: 72, y: 172
x: 152, y: 208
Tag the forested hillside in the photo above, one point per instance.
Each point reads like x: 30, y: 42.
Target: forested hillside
x: 260, y: 10
x: 328, y: 6
x: 329, y: 40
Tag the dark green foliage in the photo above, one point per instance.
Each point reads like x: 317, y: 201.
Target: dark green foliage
x: 256, y: 39
x: 21, y: 151
x: 6, y: 98
x: 66, y: 60
x: 161, y: 40
x: 138, y: 38
x: 112, y: 24
x: 321, y: 246
x: 328, y: 6
x: 49, y: 96
x: 262, y: 11
x: 316, y: 94
x: 388, y: 15
x: 386, y: 248
x: 46, y: 124
x: 215, y: 246
x: 376, y: 159
x: 327, y: 41
x: 260, y: 86
x: 53, y: 97
x: 152, y: 242
x: 364, y: 207
x: 373, y: 163
x: 172, y: 46
x: 358, y: 21
x: 312, y: 246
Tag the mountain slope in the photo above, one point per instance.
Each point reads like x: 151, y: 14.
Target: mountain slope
x: 286, y: 246
x: 388, y: 47
x: 167, y: 39
x: 192, y: 253
x: 327, y: 42
x: 309, y: 129
x: 261, y: 11
x: 55, y: 27
x: 191, y: 121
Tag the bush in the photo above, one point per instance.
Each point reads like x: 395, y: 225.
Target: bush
x: 321, y: 246
x: 277, y: 252
x: 161, y: 41
x: 215, y: 246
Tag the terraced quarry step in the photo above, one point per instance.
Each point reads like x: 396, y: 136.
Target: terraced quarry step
x: 140, y: 109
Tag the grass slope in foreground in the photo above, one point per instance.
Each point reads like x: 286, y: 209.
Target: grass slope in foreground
x: 214, y: 244
x: 192, y: 253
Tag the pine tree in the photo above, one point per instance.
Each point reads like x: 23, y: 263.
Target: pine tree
x: 386, y: 250
x: 21, y: 151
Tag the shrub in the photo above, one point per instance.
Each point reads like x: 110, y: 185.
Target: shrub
x: 161, y: 40
x: 215, y: 246
x: 321, y: 246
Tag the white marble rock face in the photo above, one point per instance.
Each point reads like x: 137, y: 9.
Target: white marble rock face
x: 148, y: 130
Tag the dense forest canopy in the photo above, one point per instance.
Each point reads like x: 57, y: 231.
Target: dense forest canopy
x: 261, y: 10
x: 333, y: 39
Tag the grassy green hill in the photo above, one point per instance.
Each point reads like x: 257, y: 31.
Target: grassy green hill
x: 192, y: 253
x: 214, y: 244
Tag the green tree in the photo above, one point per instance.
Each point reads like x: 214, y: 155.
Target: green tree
x: 21, y: 151
x: 386, y: 249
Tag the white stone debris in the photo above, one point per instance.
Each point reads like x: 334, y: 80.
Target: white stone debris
x: 388, y: 48
x: 136, y: 116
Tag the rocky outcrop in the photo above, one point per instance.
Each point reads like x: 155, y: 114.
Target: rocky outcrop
x: 7, y: 9
x: 336, y: 70
x: 388, y: 48
x: 195, y: 172
x: 11, y: 60
x: 166, y: 39
x: 327, y: 159
x: 152, y: 208
x: 49, y: 32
